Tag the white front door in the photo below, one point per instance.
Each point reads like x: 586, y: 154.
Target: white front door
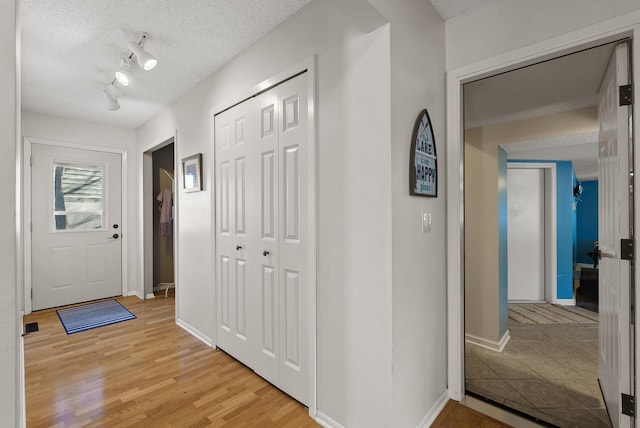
x: 261, y: 163
x: 76, y: 218
x: 613, y: 225
x: 526, y: 232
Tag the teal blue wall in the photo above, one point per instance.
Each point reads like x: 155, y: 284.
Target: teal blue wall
x: 503, y: 277
x: 587, y: 225
x: 565, y: 225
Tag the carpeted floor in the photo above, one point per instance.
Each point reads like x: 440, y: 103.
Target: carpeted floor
x: 546, y: 313
x: 547, y: 370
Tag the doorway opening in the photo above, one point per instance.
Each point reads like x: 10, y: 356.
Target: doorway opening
x: 528, y: 346
x: 159, y: 217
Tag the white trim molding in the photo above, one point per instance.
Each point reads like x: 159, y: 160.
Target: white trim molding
x: 435, y: 410
x: 195, y: 332
x: 136, y: 293
x: 566, y: 302
x: 489, y: 344
x: 326, y: 421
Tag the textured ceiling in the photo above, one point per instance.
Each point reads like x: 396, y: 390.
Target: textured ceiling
x: 71, y: 48
x: 450, y: 8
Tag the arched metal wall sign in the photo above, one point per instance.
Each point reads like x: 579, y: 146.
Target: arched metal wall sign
x: 423, y: 170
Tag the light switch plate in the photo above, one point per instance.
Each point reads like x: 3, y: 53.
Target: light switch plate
x: 426, y: 222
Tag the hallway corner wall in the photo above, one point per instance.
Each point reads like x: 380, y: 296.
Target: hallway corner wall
x: 11, y: 395
x: 418, y: 293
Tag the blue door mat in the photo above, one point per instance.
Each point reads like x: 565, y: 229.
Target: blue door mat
x: 93, y: 315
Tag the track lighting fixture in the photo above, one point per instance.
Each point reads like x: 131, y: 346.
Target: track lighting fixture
x: 111, y: 95
x: 145, y: 59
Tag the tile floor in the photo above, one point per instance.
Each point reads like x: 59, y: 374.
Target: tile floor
x: 547, y: 371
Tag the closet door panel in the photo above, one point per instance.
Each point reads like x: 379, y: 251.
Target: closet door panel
x: 224, y: 257
x: 233, y: 256
x: 293, y: 223
x: 267, y: 346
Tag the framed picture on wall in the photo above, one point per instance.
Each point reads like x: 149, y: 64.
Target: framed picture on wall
x: 423, y: 169
x: 192, y: 173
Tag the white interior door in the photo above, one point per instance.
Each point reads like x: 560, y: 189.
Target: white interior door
x: 613, y: 219
x: 76, y: 218
x: 266, y: 278
x: 526, y: 232
x: 262, y: 235
x: 234, y: 256
x: 293, y: 242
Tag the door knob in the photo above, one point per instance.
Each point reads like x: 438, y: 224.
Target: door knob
x: 115, y: 226
x: 265, y: 253
x: 115, y: 236
x: 238, y: 247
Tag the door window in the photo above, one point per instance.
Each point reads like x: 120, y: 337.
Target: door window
x: 78, y: 197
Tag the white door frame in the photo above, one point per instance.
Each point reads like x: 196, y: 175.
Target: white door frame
x: 550, y: 222
x: 308, y: 65
x: 606, y: 31
x: 26, y: 189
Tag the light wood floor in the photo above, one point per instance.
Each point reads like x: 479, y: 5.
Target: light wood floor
x: 149, y: 372
x: 146, y: 372
x: 455, y: 415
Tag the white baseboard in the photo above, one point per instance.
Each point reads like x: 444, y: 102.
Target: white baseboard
x: 326, y: 421
x: 566, y: 302
x: 151, y: 296
x: 195, y: 332
x: 489, y: 344
x: 136, y: 293
x: 435, y: 410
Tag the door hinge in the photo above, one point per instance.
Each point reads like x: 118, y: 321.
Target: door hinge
x: 626, y: 95
x: 32, y: 294
x: 628, y: 405
x: 626, y: 249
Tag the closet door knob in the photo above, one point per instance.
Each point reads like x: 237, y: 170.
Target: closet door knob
x: 265, y: 253
x: 238, y: 247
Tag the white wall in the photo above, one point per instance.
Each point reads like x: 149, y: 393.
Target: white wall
x: 10, y: 326
x: 500, y: 26
x: 37, y: 125
x: 419, y: 283
x: 353, y: 199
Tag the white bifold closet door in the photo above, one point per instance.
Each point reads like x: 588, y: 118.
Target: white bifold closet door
x: 261, y: 230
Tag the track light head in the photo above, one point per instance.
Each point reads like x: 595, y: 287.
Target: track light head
x: 122, y: 78
x: 145, y: 59
x: 111, y: 96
